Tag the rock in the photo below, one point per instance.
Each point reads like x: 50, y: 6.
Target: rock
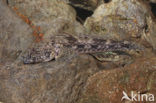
x: 86, y: 4
x: 60, y: 25
x: 122, y: 19
x: 66, y: 80
x: 90, y: 5
x: 42, y: 13
x: 15, y: 35
x: 149, y: 33
x: 108, y: 86
x: 54, y: 82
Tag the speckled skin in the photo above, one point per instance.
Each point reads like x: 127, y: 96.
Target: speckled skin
x: 53, y: 47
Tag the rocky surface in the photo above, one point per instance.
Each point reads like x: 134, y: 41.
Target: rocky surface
x: 15, y: 34
x: 53, y: 82
x: 86, y: 4
x: 123, y: 19
x: 107, y: 86
x: 43, y: 13
x: 66, y: 80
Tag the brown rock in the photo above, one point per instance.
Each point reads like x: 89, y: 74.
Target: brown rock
x: 63, y: 81
x: 54, y: 82
x: 107, y: 86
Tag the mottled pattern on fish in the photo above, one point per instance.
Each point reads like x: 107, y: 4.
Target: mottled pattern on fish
x: 52, y: 48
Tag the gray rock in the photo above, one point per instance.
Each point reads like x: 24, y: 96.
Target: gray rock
x: 122, y: 19
x: 60, y: 25
x: 120, y: 16
x: 15, y: 35
x: 42, y: 13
